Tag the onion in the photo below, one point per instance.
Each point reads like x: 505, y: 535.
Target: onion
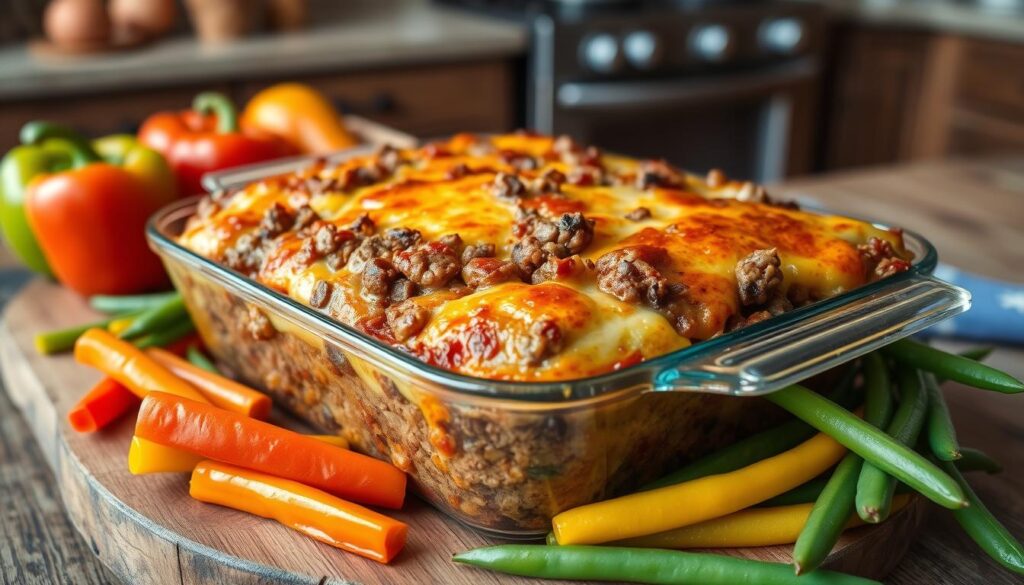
x: 75, y: 24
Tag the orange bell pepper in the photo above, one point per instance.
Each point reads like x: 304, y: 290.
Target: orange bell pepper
x: 130, y: 366
x: 308, y: 510
x: 206, y: 138
x: 105, y: 403
x: 299, y: 115
x: 221, y: 391
x: 89, y: 215
x: 232, y: 438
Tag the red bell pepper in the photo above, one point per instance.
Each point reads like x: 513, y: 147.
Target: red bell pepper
x: 207, y: 138
x: 89, y: 214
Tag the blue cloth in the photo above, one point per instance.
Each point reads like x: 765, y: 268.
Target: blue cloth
x: 997, y: 309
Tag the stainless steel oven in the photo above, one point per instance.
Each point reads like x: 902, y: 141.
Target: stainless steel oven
x: 716, y: 84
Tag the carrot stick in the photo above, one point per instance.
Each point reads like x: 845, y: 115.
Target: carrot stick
x: 233, y: 438
x: 131, y: 367
x: 220, y: 391
x: 107, y: 401
x: 145, y: 456
x: 310, y: 511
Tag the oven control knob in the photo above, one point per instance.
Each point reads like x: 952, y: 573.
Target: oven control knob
x: 711, y: 42
x: 642, y: 49
x: 781, y: 36
x: 601, y: 53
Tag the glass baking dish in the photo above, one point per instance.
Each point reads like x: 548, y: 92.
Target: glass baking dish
x: 505, y: 457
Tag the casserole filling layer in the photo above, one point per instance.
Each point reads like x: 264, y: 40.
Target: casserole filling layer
x: 526, y: 257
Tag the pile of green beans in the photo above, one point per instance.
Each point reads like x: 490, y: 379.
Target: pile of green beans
x: 879, y: 464
x: 922, y: 408
x: 159, y: 319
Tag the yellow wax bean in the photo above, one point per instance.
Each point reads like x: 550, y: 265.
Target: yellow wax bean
x: 698, y: 500
x: 750, y: 527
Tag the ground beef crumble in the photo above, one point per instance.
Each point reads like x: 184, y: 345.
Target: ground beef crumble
x: 406, y: 319
x: 429, y: 265
x: 758, y: 276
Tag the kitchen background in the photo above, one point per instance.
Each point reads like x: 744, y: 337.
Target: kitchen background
x: 765, y: 89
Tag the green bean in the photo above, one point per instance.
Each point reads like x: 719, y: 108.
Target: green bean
x: 940, y: 430
x: 831, y: 512
x: 977, y: 354
x: 807, y: 493
x: 875, y: 487
x: 166, y: 336
x: 64, y: 339
x: 834, y: 506
x: 977, y: 460
x: 984, y: 529
x: 198, y: 359
x: 872, y: 444
x: 168, y: 313
x: 113, y: 305
x: 953, y: 367
x: 877, y: 388
x: 755, y: 447
x: 640, y: 565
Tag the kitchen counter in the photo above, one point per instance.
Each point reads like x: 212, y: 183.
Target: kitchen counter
x: 963, y: 17
x: 986, y: 235
x: 355, y: 34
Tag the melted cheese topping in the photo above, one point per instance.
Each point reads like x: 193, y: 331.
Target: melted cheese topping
x: 490, y: 332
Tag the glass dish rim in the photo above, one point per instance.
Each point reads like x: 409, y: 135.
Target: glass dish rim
x: 547, y: 392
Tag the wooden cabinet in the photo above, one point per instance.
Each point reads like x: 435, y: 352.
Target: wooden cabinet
x: 876, y: 76
x: 427, y: 100
x: 987, y: 111
x: 903, y: 95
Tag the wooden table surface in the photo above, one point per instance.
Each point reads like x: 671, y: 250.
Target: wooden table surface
x: 973, y: 211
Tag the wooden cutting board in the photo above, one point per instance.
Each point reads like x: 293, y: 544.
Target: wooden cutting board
x: 147, y: 529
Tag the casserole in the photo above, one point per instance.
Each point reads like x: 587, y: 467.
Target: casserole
x: 506, y: 455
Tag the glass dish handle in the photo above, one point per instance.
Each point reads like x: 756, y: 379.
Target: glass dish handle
x: 794, y: 350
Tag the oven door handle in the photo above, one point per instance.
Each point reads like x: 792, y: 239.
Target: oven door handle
x: 645, y: 94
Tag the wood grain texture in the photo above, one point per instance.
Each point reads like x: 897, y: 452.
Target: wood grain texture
x: 147, y: 529
x: 39, y: 546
